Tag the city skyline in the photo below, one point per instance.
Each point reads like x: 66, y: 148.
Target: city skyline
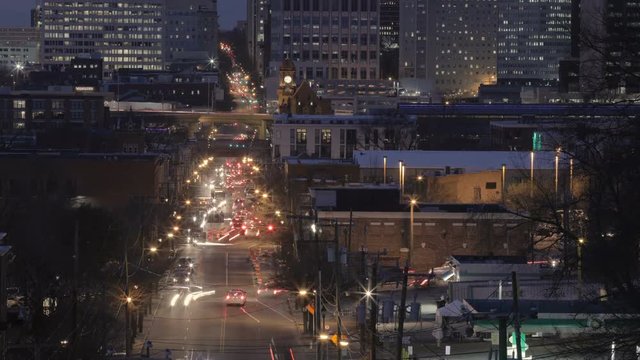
x: 17, y: 14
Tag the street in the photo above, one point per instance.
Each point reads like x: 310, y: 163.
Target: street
x: 206, y: 328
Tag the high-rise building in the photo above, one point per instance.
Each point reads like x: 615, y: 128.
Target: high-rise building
x: 258, y: 33
x: 191, y: 31
x: 389, y: 38
x: 326, y: 39
x: 127, y: 33
x: 19, y: 46
x: 447, y: 47
x: 533, y: 37
x: 134, y: 34
x: 610, y: 46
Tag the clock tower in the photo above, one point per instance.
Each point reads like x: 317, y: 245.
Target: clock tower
x: 287, y: 86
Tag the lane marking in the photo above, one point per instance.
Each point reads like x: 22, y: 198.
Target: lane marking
x: 249, y: 315
x: 276, y: 311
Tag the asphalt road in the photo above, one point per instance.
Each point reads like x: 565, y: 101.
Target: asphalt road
x: 207, y: 328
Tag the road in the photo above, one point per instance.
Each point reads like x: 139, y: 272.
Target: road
x: 209, y: 329
x: 195, y: 323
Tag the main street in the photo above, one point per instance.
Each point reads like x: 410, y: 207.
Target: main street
x: 193, y: 321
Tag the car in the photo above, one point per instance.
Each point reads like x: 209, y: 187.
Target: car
x: 185, y: 262
x: 181, y: 276
x: 270, y: 288
x: 236, y: 297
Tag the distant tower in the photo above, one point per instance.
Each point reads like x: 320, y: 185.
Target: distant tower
x: 287, y: 86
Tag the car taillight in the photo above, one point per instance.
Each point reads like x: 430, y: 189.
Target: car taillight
x: 227, y: 297
x: 242, y: 297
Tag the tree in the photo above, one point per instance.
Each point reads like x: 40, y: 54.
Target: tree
x: 591, y: 224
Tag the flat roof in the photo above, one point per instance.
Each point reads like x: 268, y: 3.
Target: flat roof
x: 471, y: 161
x: 587, y: 110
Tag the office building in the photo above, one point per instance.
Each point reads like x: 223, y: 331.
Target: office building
x: 337, y: 39
x: 19, y: 46
x: 42, y: 110
x: 258, y: 33
x: 447, y: 48
x: 191, y: 31
x: 389, y: 38
x: 609, y: 59
x: 128, y: 34
x: 533, y: 37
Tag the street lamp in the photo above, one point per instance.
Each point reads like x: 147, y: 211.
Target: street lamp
x: 580, y: 245
x: 413, y: 203
x: 302, y: 292
x: 153, y: 249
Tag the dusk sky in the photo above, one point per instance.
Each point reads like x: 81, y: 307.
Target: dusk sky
x: 16, y: 13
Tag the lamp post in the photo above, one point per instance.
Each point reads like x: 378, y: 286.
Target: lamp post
x: 580, y: 244
x: 504, y: 179
x: 531, y: 175
x: 413, y: 203
x: 555, y: 182
x: 384, y: 170
x: 400, y: 174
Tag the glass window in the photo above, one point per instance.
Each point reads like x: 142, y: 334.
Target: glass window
x: 287, y: 5
x: 296, y: 5
x: 305, y: 5
x: 354, y: 5
x: 364, y: 5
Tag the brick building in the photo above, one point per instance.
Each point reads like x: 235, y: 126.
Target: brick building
x: 97, y: 179
x: 382, y: 225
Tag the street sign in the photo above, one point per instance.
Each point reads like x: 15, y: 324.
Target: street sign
x: 311, y: 309
x: 523, y: 343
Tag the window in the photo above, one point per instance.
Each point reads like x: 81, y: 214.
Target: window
x: 347, y: 143
x: 323, y: 143
x: 491, y: 186
x: 19, y: 104
x: 298, y: 141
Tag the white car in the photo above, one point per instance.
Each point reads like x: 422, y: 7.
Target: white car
x: 236, y: 297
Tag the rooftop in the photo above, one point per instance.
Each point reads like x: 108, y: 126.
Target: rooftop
x: 589, y: 110
x: 471, y: 161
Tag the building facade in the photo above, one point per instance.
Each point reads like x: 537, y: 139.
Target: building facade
x: 258, y: 33
x: 83, y: 177
x: 22, y: 111
x: 609, y: 62
x: 19, y: 46
x: 533, y: 37
x: 191, y: 31
x: 448, y: 48
x: 338, y: 137
x: 389, y: 38
x: 337, y: 39
x: 128, y: 34
x: 439, y: 232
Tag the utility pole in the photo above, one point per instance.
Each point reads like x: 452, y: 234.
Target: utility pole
x: 502, y: 338
x: 374, y: 311
x: 317, y: 317
x: 339, y: 320
x: 402, y: 311
x: 516, y: 314
x: 76, y: 274
x: 127, y: 325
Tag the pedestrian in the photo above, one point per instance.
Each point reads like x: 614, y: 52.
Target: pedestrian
x: 148, y: 345
x: 167, y: 354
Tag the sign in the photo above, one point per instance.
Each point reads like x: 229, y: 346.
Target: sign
x: 523, y: 343
x: 311, y: 309
x: 447, y: 350
x: 334, y: 339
